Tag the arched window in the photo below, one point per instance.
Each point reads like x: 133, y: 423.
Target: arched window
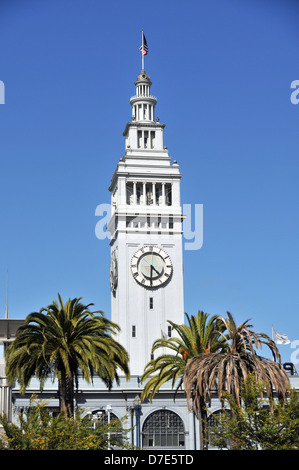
x: 111, y: 422
x: 163, y: 428
x: 214, y: 424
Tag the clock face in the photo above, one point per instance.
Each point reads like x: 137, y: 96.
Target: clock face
x: 151, y: 266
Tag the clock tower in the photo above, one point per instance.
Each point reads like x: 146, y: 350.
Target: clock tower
x: 146, y: 270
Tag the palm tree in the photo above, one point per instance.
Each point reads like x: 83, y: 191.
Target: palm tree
x: 199, y: 336
x: 62, y: 341
x: 224, y: 370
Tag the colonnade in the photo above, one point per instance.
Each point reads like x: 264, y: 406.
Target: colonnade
x: 152, y: 193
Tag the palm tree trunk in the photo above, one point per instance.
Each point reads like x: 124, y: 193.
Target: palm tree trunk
x: 203, y: 433
x: 66, y: 395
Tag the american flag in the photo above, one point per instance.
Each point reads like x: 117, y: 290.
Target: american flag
x: 143, y: 48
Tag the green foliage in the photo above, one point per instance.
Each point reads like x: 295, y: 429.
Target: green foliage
x: 38, y: 430
x: 199, y: 336
x: 224, y: 370
x: 258, y: 422
x: 62, y: 341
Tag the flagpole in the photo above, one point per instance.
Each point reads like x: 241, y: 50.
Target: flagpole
x: 142, y: 55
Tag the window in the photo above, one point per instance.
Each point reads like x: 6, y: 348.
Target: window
x: 163, y: 428
x: 151, y: 303
x: 169, y: 329
x: 129, y: 189
x: 213, y: 422
x: 133, y: 331
x: 145, y: 139
x: 139, y: 134
x: 138, y: 193
x: 129, y: 221
x: 101, y: 417
x: 158, y: 194
x: 168, y: 194
x: 153, y: 139
x: 149, y: 194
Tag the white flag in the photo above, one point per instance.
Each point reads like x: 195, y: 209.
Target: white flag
x: 280, y: 339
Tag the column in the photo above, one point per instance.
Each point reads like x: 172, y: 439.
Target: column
x: 154, y: 193
x: 122, y: 193
x: 163, y: 194
x: 176, y: 193
x: 134, y: 192
x: 144, y: 193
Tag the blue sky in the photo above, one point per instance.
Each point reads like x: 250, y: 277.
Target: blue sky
x: 222, y: 71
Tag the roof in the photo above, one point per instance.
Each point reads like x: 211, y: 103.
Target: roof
x: 143, y: 77
x: 8, y: 329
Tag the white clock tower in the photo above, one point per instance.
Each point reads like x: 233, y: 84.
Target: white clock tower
x: 146, y: 234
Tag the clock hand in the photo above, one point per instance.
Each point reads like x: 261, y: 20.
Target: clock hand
x: 155, y: 270
x: 151, y: 276
x: 153, y: 263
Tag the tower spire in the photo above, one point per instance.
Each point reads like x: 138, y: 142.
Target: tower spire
x: 143, y: 103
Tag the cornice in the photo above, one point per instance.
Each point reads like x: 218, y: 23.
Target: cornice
x: 142, y: 124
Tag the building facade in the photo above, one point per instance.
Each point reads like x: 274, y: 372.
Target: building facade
x: 146, y: 280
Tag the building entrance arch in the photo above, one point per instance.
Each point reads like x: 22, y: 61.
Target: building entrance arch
x: 164, y: 429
